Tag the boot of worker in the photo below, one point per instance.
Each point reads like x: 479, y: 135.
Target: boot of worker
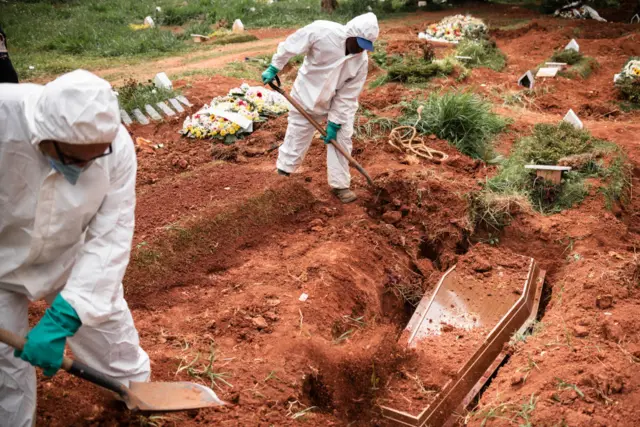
x: 345, y: 195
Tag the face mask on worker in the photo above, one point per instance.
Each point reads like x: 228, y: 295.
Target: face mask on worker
x: 70, y: 172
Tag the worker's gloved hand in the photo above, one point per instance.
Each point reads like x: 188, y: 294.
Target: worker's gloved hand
x: 332, y: 132
x: 46, y: 341
x: 269, y: 74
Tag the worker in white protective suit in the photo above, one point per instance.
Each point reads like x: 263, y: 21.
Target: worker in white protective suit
x: 328, y: 85
x: 67, y: 197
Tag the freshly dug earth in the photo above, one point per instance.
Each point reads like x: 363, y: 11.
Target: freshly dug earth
x: 212, y: 278
x: 484, y: 277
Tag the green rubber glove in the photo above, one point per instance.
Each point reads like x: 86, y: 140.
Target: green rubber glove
x: 332, y: 132
x: 46, y: 341
x: 269, y: 74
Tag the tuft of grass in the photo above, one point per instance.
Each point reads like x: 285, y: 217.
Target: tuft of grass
x: 415, y: 70
x: 483, y: 53
x: 133, y: 95
x: 206, y: 371
x: 583, y: 68
x: 464, y: 119
x: 568, y: 56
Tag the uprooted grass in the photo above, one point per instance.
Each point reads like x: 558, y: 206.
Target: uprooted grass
x: 515, y: 187
x: 464, y: 119
x: 483, y: 53
x: 416, y: 70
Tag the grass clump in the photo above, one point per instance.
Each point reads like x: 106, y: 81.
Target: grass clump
x: 136, y: 95
x: 483, y: 53
x: 462, y: 118
x: 629, y: 82
x: 415, y: 70
x: 567, y: 56
x: 560, y: 144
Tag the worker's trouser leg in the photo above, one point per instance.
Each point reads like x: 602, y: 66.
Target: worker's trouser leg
x: 113, y: 347
x: 17, y: 377
x: 298, y: 140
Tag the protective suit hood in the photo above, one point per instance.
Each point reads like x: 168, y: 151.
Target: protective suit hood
x: 365, y: 26
x: 76, y: 108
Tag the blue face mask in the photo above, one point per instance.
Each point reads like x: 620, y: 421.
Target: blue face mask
x: 70, y: 172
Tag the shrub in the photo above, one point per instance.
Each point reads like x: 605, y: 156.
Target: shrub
x: 462, y: 118
x: 629, y: 88
x: 568, y: 56
x: 483, y: 53
x: 136, y: 95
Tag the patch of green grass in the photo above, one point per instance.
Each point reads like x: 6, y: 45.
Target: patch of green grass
x: 144, y: 256
x: 568, y: 56
x: 81, y: 34
x: 242, y: 70
x: 464, y: 119
x: 415, y: 70
x: 629, y: 89
x: 136, y: 95
x: 483, y: 53
x: 550, y: 145
x: 583, y: 68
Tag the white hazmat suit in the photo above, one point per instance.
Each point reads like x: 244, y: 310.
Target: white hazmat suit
x: 57, y: 237
x: 328, y: 85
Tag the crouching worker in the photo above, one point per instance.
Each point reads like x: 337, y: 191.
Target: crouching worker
x: 67, y: 198
x: 328, y: 86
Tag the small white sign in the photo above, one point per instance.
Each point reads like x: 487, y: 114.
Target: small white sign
x: 303, y: 297
x: 165, y: 109
x: 162, y: 81
x: 572, y: 45
x: 176, y: 105
x: 547, y: 72
x: 573, y: 119
x: 422, y: 4
x: 141, y: 118
x: 152, y: 112
x: 149, y: 21
x: 616, y: 77
x: 125, y: 118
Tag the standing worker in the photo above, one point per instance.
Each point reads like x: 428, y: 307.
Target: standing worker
x: 7, y: 72
x: 328, y: 85
x: 67, y: 198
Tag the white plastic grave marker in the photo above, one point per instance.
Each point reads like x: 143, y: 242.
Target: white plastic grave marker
x: 184, y: 100
x: 165, y: 109
x: 125, y: 118
x: 152, y: 112
x: 141, y: 118
x: 573, y: 119
x: 572, y: 45
x: 176, y: 105
x: 527, y: 80
x: 162, y: 81
x: 547, y: 72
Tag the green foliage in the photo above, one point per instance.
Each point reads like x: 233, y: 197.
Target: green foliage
x: 483, y: 53
x: 415, y: 70
x: 136, y: 95
x: 568, y: 56
x: 548, y: 145
x: 629, y: 88
x: 462, y: 118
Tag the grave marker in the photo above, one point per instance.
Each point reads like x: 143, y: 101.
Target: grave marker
x: 125, y: 117
x: 162, y: 81
x: 556, y: 64
x: 184, y: 100
x: 547, y: 72
x: 141, y: 118
x: 527, y: 80
x: 572, y: 45
x: 165, y: 109
x: 549, y: 173
x: 573, y: 119
x: 152, y: 112
x: 176, y: 105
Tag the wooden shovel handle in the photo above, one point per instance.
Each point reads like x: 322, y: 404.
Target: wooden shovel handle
x: 73, y: 367
x: 320, y: 129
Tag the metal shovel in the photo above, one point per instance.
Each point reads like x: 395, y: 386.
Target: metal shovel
x: 158, y: 396
x: 320, y: 129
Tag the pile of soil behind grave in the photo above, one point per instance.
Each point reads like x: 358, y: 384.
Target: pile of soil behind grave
x: 497, y: 276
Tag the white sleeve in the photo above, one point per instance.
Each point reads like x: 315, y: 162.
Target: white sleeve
x: 345, y: 102
x: 297, y: 43
x: 94, y: 284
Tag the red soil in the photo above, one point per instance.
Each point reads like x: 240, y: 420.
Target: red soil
x: 223, y: 250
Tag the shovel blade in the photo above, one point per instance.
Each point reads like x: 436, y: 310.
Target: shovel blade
x: 170, y: 396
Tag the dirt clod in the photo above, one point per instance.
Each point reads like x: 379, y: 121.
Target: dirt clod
x: 604, y: 301
x: 580, y: 331
x: 260, y: 323
x: 392, y: 217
